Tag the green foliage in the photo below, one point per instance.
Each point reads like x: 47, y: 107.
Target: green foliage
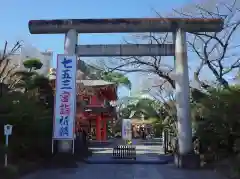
x: 26, y: 80
x: 45, y: 91
x: 9, y: 172
x: 36, y: 85
x: 33, y: 64
x: 168, y: 114
x: 118, y: 78
x: 31, y: 121
x: 126, y: 112
x: 217, y: 119
x: 157, y: 126
x: 147, y: 107
x: 30, y: 113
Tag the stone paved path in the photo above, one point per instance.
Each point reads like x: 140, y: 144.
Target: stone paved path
x: 127, y: 171
x: 117, y: 171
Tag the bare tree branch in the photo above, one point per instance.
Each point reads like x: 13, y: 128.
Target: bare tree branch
x: 214, y: 49
x: 5, y: 58
x: 148, y: 65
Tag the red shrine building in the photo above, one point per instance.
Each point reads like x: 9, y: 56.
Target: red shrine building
x: 94, y: 112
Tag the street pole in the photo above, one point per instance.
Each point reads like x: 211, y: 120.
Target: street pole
x: 6, y: 152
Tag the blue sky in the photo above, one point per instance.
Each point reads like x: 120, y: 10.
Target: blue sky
x: 15, y: 15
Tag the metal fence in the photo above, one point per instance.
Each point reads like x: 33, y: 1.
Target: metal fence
x: 124, y: 152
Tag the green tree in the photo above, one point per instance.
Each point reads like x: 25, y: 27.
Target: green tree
x: 137, y: 107
x: 27, y: 78
x: 35, y: 84
x: 31, y: 121
x: 44, y: 91
x: 118, y: 78
x: 28, y: 113
x: 217, y: 119
x: 33, y: 64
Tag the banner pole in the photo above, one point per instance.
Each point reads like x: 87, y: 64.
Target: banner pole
x: 52, y: 145
x: 73, y: 147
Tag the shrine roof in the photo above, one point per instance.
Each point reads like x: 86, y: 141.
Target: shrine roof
x: 108, y: 89
x: 92, y: 83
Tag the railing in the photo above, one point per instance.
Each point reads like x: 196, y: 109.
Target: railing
x: 124, y: 152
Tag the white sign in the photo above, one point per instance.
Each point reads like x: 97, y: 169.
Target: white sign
x: 126, y: 50
x: 7, y: 129
x: 126, y: 129
x: 7, y: 132
x: 65, y: 98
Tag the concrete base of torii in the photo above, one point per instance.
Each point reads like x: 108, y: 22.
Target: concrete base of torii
x: 187, y: 161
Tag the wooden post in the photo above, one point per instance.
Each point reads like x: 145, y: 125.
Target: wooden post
x: 98, y: 128
x: 104, y: 129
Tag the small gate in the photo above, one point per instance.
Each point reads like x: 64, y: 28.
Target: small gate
x: 124, y: 152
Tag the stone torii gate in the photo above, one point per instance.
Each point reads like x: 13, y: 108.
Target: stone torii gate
x: 178, y: 26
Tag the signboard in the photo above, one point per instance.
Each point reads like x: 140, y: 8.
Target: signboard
x: 65, y: 98
x: 126, y: 50
x: 7, y: 130
x: 126, y: 129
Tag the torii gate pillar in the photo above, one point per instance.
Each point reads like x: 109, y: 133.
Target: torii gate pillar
x: 70, y: 44
x: 182, y: 93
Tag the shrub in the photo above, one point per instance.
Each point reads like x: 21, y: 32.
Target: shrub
x: 31, y: 122
x: 9, y: 172
x: 218, y: 121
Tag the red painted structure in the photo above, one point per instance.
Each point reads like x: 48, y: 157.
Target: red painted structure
x: 94, y: 115
x: 91, y: 111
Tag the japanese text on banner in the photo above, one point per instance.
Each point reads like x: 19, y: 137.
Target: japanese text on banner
x: 65, y: 98
x: 64, y: 108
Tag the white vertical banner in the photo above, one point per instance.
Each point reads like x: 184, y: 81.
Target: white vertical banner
x: 126, y: 129
x: 65, y: 98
